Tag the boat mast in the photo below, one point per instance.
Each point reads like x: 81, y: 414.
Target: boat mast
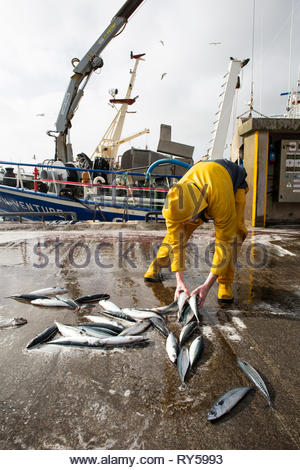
x: 219, y: 133
x: 109, y: 145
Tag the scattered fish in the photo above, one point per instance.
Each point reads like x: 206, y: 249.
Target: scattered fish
x: 27, y: 297
x: 138, y: 314
x: 12, y: 322
x: 160, y: 325
x: 91, y: 298
x: 50, y: 291
x: 193, y: 301
x: 53, y: 302
x: 44, y: 336
x: 226, y: 402
x: 103, y: 319
x: 186, y: 332
x: 195, y: 351
x: 103, y: 325
x: 172, y: 347
x: 136, y: 329
x: 183, y: 363
x: 253, y: 375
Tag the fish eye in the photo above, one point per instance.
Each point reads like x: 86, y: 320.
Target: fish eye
x: 221, y: 402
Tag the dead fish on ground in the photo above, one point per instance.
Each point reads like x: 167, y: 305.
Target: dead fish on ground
x: 167, y: 309
x: 193, y: 301
x: 172, y: 347
x: 70, y: 302
x: 109, y: 306
x: 187, y: 314
x: 91, y: 298
x: 50, y: 291
x: 111, y: 309
x: 90, y: 341
x: 160, y: 325
x: 183, y: 363
x: 70, y: 331
x: 186, y: 332
x: 80, y: 340
x: 102, y: 325
x: 226, y: 402
x: 181, y: 300
x: 139, y: 314
x: 136, y: 329
x: 121, y: 315
x: 103, y: 319
x: 253, y: 375
x: 12, y: 322
x: 97, y: 332
x: 124, y: 340
x: 53, y: 302
x: 195, y: 351
x: 26, y: 297
x: 44, y: 336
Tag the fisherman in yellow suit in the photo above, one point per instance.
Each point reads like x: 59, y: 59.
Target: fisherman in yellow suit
x: 215, y: 190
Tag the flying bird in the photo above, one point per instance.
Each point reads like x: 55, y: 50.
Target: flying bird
x: 214, y: 43
x: 163, y: 75
x: 40, y: 114
x: 162, y: 42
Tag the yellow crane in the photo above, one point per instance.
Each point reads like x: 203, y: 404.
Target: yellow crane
x: 109, y: 144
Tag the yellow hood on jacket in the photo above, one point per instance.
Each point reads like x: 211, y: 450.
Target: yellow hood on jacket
x: 183, y: 201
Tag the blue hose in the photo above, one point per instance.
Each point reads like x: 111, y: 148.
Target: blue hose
x: 166, y: 160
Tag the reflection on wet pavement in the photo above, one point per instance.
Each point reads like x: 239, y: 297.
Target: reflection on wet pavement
x: 130, y: 398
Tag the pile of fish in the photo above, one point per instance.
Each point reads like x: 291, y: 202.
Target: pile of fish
x: 186, y: 358
x: 114, y: 326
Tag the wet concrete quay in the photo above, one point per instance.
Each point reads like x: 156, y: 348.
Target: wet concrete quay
x: 130, y: 398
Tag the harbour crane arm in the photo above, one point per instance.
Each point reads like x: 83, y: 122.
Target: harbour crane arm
x: 134, y: 136
x: 82, y: 72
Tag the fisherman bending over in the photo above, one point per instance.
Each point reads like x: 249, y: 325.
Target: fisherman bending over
x: 209, y: 190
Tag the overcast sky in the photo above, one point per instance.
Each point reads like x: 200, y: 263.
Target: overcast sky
x: 39, y: 39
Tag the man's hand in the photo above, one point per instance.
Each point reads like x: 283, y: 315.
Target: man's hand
x: 180, y: 287
x: 203, y: 290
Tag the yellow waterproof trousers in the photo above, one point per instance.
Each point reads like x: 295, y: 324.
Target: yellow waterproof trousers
x: 241, y: 234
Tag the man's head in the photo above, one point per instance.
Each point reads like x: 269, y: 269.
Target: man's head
x: 184, y: 201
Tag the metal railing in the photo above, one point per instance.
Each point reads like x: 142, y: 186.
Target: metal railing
x: 127, y: 194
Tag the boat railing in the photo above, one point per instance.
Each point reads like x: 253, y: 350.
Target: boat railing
x: 122, y: 190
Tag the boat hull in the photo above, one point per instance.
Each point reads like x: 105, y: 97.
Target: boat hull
x: 20, y: 200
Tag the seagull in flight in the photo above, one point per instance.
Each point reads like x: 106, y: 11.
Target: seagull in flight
x: 214, y: 43
x: 163, y: 75
x: 162, y: 42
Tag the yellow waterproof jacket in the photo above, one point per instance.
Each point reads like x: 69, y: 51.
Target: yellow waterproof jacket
x: 206, y: 188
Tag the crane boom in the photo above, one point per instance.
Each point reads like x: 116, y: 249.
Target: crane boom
x: 82, y: 72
